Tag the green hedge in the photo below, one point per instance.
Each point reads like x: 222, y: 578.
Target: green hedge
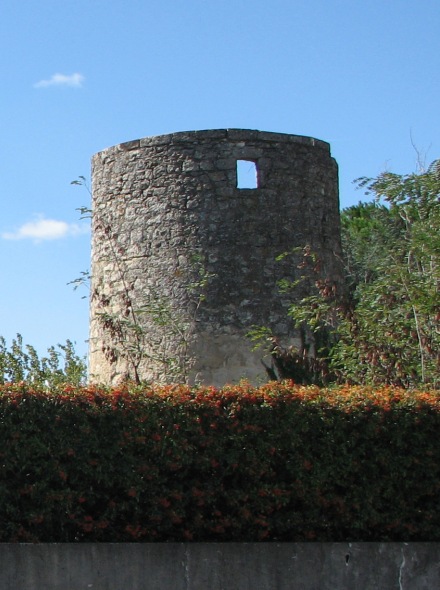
x: 277, y: 463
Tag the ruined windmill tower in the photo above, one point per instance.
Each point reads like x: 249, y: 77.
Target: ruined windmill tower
x: 184, y: 260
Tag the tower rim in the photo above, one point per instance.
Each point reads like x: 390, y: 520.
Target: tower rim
x: 226, y: 134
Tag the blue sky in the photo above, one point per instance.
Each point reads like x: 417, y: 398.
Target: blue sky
x: 81, y: 75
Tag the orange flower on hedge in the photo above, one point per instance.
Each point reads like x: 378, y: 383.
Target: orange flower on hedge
x: 307, y: 465
x: 88, y: 525
x: 133, y: 530
x: 197, y: 493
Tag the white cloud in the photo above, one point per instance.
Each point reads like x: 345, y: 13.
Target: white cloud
x: 74, y: 80
x: 46, y: 229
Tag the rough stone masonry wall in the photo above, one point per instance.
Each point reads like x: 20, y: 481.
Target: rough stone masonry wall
x: 184, y: 262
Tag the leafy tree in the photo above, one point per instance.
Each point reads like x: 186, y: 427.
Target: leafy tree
x: 385, y: 328
x: 21, y: 362
x: 367, y: 230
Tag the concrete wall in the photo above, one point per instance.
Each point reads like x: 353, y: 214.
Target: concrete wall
x: 231, y: 566
x: 166, y: 208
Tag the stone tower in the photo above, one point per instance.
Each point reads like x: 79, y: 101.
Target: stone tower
x: 184, y: 260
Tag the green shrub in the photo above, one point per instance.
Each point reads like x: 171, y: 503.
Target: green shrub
x: 21, y: 362
x: 171, y: 463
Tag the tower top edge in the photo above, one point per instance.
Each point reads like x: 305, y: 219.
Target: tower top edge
x: 232, y: 135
